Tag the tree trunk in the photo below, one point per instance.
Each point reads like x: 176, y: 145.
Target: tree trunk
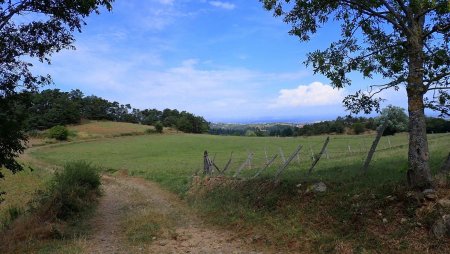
x: 419, y: 175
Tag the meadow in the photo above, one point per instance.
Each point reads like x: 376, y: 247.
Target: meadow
x: 173, y: 159
x: 363, y: 213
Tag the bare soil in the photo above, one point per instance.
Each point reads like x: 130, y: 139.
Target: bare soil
x: 180, y: 230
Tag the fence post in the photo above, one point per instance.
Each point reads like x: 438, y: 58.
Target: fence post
x: 206, y: 164
x: 374, y: 145
x: 228, y: 163
x: 265, y: 166
x: 284, y: 166
x: 320, y: 155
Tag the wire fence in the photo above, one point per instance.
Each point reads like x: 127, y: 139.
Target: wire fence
x: 338, y: 152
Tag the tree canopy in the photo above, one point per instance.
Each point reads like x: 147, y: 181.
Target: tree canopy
x: 403, y: 41
x: 32, y: 29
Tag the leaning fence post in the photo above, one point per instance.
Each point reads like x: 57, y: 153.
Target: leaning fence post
x: 228, y: 163
x: 265, y: 166
x: 284, y: 166
x: 320, y: 155
x: 374, y: 145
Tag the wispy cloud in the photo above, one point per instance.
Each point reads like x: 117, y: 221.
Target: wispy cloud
x: 223, y: 5
x: 314, y: 94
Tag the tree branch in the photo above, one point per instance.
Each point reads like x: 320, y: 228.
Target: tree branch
x: 367, y: 10
x: 437, y: 28
x: 396, y: 15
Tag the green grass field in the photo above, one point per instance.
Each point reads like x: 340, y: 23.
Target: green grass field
x: 171, y: 159
x: 349, y: 216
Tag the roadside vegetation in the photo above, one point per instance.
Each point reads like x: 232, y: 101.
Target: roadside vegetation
x: 50, y: 211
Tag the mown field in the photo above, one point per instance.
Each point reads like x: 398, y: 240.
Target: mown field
x: 359, y: 213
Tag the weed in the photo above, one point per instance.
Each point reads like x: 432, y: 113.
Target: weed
x: 72, y: 189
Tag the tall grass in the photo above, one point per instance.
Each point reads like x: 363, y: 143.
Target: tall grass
x: 56, y: 211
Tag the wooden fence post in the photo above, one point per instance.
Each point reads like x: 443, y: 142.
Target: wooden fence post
x: 284, y: 166
x: 320, y: 155
x: 228, y: 163
x: 265, y: 166
x: 374, y: 145
x: 206, y: 164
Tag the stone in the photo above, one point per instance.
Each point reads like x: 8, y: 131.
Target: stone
x: 429, y: 194
x: 317, y: 187
x: 427, y: 191
x: 403, y: 220
x: 441, y: 227
x: 444, y: 203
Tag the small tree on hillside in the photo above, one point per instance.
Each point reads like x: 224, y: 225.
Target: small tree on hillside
x: 397, y: 120
x: 403, y: 41
x: 159, y: 127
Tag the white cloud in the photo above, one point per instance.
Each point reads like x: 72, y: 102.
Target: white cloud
x: 314, y: 94
x: 223, y: 5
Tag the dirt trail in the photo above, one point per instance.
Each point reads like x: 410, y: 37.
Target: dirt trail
x: 130, y: 203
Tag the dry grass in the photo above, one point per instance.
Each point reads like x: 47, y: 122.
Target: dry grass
x: 98, y: 129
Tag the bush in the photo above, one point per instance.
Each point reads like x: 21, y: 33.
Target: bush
x: 358, y: 128
x: 72, y: 190
x: 58, y: 132
x: 159, y: 127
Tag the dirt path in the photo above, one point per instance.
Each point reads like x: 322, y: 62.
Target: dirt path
x: 137, y: 216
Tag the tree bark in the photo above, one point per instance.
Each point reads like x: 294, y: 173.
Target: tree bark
x: 419, y: 175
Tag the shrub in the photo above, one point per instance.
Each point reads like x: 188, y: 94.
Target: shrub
x: 58, y: 132
x: 72, y: 190
x: 358, y: 128
x: 159, y: 127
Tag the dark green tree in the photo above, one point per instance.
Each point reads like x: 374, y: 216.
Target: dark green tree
x: 46, y: 27
x: 52, y: 107
x: 403, y: 41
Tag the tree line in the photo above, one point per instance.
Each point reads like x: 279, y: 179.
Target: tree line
x: 398, y: 122
x: 48, y: 108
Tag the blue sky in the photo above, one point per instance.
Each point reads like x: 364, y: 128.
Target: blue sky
x: 229, y: 61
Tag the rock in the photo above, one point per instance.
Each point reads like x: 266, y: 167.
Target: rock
x: 429, y: 194
x: 431, y: 197
x: 444, y: 203
x: 385, y: 220
x: 317, y: 187
x: 163, y: 243
x: 403, y: 220
x: 441, y: 227
x: 391, y: 198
